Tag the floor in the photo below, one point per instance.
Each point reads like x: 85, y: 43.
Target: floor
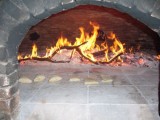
x: 88, y: 92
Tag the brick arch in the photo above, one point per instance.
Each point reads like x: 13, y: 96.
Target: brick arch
x: 17, y: 17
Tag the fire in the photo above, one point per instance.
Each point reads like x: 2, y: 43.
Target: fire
x: 87, y: 44
x: 34, y: 51
x: 158, y: 57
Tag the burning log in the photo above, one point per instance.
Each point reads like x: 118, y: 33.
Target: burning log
x: 49, y: 59
x: 43, y: 59
x: 98, y: 62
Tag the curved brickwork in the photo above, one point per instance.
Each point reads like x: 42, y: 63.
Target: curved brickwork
x: 17, y: 16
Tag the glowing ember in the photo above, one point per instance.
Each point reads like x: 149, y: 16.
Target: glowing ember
x: 86, y: 45
x: 141, y: 61
x: 158, y: 57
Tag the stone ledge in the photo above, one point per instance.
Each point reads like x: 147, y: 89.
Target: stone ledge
x: 6, y: 80
x: 8, y: 106
x: 8, y: 91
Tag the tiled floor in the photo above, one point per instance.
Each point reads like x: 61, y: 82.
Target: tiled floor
x: 130, y: 95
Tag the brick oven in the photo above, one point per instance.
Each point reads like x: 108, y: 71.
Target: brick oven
x: 18, y: 16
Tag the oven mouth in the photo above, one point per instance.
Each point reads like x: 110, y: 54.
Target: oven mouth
x: 103, y: 36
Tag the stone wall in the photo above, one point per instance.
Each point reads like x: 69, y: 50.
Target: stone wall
x: 17, y: 17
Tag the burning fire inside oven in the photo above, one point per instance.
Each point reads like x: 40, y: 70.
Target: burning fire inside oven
x: 96, y: 47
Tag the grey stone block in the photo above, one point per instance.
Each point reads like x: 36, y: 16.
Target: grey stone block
x: 19, y: 14
x: 150, y: 93
x: 14, y: 41
x: 9, y: 91
x: 152, y: 22
x: 44, y: 15
x: 115, y: 95
x: 126, y: 3
x: 11, y: 67
x: 20, y: 4
x: 68, y: 4
x: 3, y: 53
x: 32, y: 21
x: 4, y: 36
x: 82, y: 2
x: 10, y: 79
x: 145, y: 6
x: 22, y: 28
x: 7, y: 106
x: 41, y: 111
x: 1, y: 2
x: 96, y: 2
x: 114, y: 1
x: 145, y: 18
x: 17, y: 34
x: 67, y: 1
x: 51, y: 4
x: 7, y: 22
x: 120, y: 112
x: 36, y: 7
x: 61, y: 94
x: 56, y: 10
x: 2, y: 116
x: 157, y: 5
x: 11, y: 116
x: 109, y: 3
x: 3, y: 66
x: 123, y: 8
x: 156, y: 13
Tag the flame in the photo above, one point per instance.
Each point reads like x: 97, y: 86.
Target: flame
x: 86, y: 49
x: 62, y: 41
x: 158, y: 57
x: 34, y: 51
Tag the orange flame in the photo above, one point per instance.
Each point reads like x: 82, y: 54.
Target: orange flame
x: 34, y: 51
x: 158, y: 57
x: 87, y: 48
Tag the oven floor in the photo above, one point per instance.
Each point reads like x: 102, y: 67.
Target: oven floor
x: 88, y: 92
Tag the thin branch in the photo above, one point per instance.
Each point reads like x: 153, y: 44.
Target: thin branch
x: 49, y: 59
x: 98, y: 62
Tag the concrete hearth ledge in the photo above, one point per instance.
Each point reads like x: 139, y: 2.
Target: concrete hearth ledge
x: 132, y: 93
x: 17, y: 16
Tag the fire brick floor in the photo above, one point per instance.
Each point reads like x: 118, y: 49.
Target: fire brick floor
x: 88, y: 92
